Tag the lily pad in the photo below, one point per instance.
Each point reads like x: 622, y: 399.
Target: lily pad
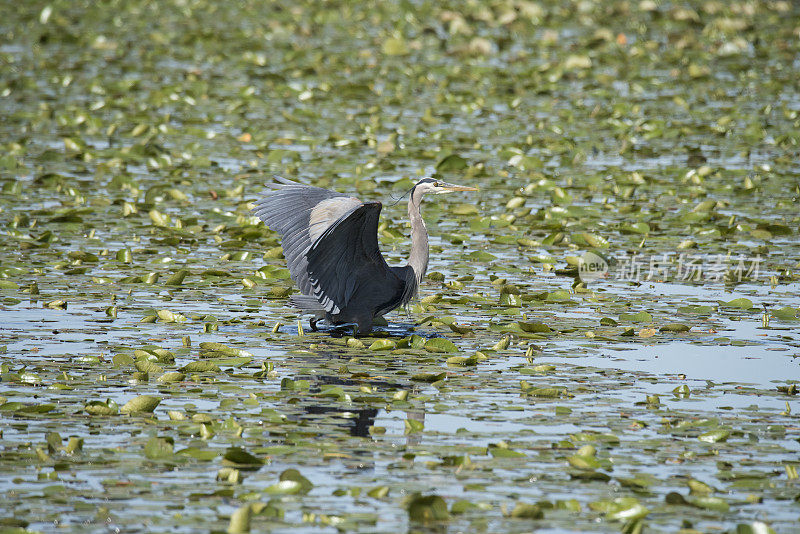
x: 742, y: 303
x: 427, y: 508
x: 787, y: 313
x: 158, y: 448
x: 639, y: 317
x: 383, y: 344
x: 141, y: 404
x: 527, y: 511
x: 108, y: 407
x: 451, y: 162
x: 241, y: 459
x: 714, y: 436
x: 675, y: 327
x: 440, y: 345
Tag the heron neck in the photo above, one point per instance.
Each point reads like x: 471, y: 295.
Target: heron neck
x: 418, y: 259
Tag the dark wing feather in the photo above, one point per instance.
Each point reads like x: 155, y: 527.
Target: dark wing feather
x: 289, y: 209
x: 346, y: 261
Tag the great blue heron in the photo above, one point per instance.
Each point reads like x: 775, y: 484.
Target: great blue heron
x: 330, y: 241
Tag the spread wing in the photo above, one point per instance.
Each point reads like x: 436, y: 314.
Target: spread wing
x: 300, y: 214
x: 345, y: 260
x: 330, y: 242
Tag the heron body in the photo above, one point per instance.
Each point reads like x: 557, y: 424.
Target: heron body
x: 330, y: 241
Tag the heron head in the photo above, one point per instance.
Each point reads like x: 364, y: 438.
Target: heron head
x: 437, y: 187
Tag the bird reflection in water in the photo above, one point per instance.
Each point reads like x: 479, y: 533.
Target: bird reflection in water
x: 356, y: 420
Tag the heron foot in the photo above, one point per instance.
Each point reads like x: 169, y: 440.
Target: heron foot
x: 343, y: 329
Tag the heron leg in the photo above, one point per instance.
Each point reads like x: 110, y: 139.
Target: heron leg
x: 312, y: 323
x: 364, y: 325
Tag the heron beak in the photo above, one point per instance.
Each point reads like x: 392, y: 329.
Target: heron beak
x: 449, y: 188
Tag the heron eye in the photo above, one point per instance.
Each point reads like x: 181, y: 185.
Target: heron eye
x: 435, y: 184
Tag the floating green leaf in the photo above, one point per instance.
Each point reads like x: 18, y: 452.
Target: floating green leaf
x: 170, y: 377
x: 177, y: 278
x: 538, y: 328
x: 675, y: 327
x: 527, y: 511
x: 158, y: 448
x: 204, y: 455
x: 395, y: 46
x: 284, y: 487
x: 640, y: 317
x: 295, y: 476
x: 427, y: 508
x: 429, y: 377
x: 451, y: 162
x: 383, y: 344
x: 214, y: 350
x: 757, y: 527
x: 714, y: 436
x: 146, y: 366
x: 463, y: 360
x: 742, y: 303
x: 141, y: 404
x: 787, y: 313
x: 559, y: 295
x: 626, y: 508
x: 440, y: 345
x: 108, y: 407
x: 709, y: 503
x: 240, y: 520
x: 200, y: 367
